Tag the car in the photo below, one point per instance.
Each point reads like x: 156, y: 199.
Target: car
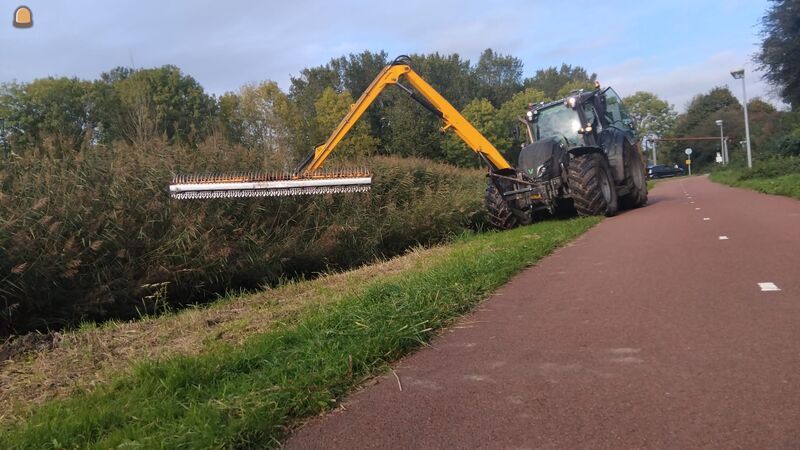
x: 663, y: 171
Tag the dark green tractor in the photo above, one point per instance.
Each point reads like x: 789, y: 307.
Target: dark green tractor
x: 583, y: 155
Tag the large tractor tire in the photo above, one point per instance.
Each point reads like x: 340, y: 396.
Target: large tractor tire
x: 635, y: 179
x: 592, y: 185
x: 500, y: 214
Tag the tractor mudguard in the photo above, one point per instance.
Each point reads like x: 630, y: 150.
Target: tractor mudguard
x: 613, y: 142
x: 543, y: 159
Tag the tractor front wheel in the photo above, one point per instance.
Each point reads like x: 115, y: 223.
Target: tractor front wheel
x: 592, y: 186
x: 500, y: 214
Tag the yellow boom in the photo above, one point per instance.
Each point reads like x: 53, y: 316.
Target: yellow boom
x: 425, y: 94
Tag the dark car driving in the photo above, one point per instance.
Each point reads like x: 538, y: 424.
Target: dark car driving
x: 663, y: 171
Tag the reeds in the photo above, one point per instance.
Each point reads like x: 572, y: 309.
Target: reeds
x: 93, y: 235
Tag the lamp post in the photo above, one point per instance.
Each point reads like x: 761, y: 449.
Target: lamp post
x: 739, y: 75
x: 650, y: 144
x: 722, y: 142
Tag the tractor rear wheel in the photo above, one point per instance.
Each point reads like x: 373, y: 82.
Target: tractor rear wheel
x: 500, y: 214
x: 592, y: 186
x: 635, y: 179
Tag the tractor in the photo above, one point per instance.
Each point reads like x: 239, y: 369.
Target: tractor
x: 581, y: 155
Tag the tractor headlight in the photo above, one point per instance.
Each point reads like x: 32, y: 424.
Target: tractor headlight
x: 529, y: 115
x: 541, y: 171
x: 570, y: 102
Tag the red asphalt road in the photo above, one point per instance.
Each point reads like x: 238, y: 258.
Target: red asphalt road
x: 648, y: 331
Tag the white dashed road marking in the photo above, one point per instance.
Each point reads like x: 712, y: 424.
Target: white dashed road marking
x: 706, y: 218
x: 767, y: 287
x: 723, y: 238
x: 697, y: 209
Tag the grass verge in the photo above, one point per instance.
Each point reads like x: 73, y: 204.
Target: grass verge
x: 787, y: 185
x: 250, y: 395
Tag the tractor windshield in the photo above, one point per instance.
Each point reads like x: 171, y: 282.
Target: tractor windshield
x: 557, y: 121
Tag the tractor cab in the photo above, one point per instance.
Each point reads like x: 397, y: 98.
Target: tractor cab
x: 580, y: 118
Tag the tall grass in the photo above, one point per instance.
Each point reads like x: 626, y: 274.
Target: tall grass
x: 92, y: 235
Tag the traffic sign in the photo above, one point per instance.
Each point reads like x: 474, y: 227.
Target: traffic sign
x: 688, y: 162
x: 688, y: 151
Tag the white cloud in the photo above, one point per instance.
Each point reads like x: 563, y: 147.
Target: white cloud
x: 681, y: 82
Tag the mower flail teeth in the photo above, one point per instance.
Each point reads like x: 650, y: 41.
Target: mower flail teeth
x: 271, y: 184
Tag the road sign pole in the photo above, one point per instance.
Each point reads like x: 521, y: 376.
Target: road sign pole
x: 688, y: 152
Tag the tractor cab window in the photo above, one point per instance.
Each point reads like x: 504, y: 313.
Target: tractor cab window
x: 616, y: 114
x: 557, y: 121
x: 592, y: 117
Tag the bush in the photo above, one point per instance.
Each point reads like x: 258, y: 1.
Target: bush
x: 93, y: 235
x: 771, y: 168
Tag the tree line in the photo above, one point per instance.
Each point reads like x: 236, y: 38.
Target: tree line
x: 136, y: 106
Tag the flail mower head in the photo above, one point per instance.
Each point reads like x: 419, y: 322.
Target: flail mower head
x: 253, y: 184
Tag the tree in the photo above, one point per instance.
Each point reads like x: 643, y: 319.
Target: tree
x: 406, y: 127
x: 552, y: 80
x: 155, y: 102
x: 653, y: 116
x: 514, y: 132
x: 54, y: 109
x: 266, y: 116
x: 331, y: 107
x: 229, y: 118
x: 779, y: 55
x: 499, y: 76
x: 483, y: 116
x: 700, y: 121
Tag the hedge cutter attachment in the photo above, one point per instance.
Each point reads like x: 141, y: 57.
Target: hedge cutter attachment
x: 253, y: 184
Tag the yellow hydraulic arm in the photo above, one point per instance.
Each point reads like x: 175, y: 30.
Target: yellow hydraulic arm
x: 427, y: 96
x: 308, y: 179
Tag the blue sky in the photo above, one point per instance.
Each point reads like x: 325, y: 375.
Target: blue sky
x: 675, y: 48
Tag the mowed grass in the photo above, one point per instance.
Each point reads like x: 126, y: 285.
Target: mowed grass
x: 250, y: 395
x: 788, y: 185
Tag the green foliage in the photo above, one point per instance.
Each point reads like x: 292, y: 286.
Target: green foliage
x: 86, y: 235
x: 512, y: 134
x: 251, y: 396
x: 50, y: 108
x: 779, y: 56
x: 700, y: 120
x: 260, y: 117
x: 133, y: 105
x: 777, y: 175
x: 786, y: 143
x: 654, y: 117
x: 151, y: 103
x: 499, y: 76
x: 552, y: 81
x: 483, y: 116
x: 331, y: 108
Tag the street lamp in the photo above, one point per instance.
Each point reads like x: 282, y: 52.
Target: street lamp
x: 739, y: 75
x: 722, y: 142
